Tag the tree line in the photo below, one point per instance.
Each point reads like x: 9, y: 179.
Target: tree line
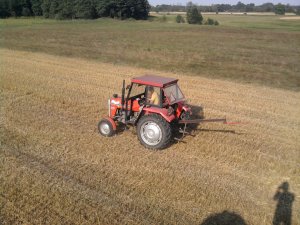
x: 239, y: 7
x: 75, y: 9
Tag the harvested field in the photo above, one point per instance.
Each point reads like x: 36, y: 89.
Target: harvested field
x: 290, y: 18
x: 56, y: 169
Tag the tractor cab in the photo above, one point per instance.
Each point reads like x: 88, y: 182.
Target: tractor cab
x: 155, y: 91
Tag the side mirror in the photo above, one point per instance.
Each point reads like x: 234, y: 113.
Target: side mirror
x: 127, y: 87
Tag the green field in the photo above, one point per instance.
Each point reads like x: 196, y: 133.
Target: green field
x: 252, y: 49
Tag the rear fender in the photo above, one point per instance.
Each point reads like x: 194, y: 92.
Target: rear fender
x: 161, y: 111
x: 187, y: 109
x: 182, y: 108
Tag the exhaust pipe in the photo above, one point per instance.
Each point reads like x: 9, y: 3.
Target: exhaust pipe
x: 123, y: 96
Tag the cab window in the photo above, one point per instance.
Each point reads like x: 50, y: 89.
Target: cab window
x: 173, y: 93
x: 137, y: 89
x: 153, y: 95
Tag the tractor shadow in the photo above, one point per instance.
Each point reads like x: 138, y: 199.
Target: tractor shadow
x: 224, y: 218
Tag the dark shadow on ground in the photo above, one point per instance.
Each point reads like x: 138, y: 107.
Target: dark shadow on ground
x: 224, y: 218
x: 198, y: 112
x: 283, y: 211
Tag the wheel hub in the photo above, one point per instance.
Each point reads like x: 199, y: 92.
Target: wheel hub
x: 104, y: 128
x: 151, y: 133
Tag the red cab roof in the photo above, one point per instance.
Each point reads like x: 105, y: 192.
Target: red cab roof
x: 154, y: 80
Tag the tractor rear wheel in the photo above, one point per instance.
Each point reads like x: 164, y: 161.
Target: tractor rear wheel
x: 106, y: 128
x: 154, y: 132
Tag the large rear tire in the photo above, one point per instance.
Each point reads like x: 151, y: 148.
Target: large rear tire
x: 154, y: 132
x: 106, y: 128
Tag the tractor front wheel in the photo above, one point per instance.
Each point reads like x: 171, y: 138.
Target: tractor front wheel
x: 106, y: 128
x: 154, y: 132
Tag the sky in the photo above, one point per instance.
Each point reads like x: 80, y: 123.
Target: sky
x: 232, y: 2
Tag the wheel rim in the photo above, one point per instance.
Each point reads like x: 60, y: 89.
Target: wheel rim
x: 151, y: 133
x: 104, y: 128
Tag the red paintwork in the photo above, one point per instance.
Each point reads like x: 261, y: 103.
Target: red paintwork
x: 115, y: 103
x: 112, y: 123
x: 162, y: 111
x: 181, y: 107
x: 187, y: 109
x: 135, y: 106
x: 154, y: 80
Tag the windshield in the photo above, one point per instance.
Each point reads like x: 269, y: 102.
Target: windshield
x: 173, y: 93
x: 150, y: 93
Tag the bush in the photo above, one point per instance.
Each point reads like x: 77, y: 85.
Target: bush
x: 193, y: 16
x: 180, y: 19
x: 164, y: 18
x: 210, y: 21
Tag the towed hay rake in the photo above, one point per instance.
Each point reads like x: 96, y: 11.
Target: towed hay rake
x: 156, y: 106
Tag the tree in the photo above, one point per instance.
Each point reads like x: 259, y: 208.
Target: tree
x: 123, y: 9
x: 36, y: 7
x: 139, y: 9
x: 250, y: 7
x: 279, y: 9
x: 240, y: 7
x: 289, y: 9
x: 15, y: 8
x: 46, y: 8
x: 298, y: 10
x: 193, y: 16
x: 267, y: 7
x: 85, y: 9
x: 55, y: 7
x: 68, y: 11
x: 4, y: 9
x: 180, y: 19
x: 223, y: 7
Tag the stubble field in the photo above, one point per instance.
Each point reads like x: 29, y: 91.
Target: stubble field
x: 56, y: 169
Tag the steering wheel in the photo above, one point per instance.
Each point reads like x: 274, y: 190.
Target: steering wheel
x: 142, y: 101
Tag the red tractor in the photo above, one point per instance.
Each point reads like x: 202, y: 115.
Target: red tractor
x: 155, y: 105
